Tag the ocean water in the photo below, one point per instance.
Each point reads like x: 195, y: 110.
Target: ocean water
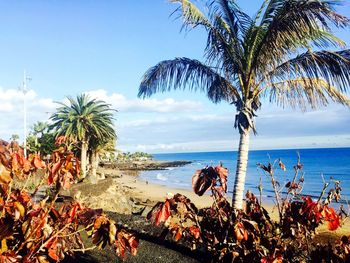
x: 328, y: 163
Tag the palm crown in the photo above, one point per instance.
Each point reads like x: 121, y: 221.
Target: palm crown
x: 83, y: 119
x: 269, y: 55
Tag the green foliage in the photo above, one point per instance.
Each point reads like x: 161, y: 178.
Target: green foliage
x: 41, y: 140
x: 124, y: 156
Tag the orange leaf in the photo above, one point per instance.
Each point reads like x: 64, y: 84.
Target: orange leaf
x: 240, y: 232
x: 20, y: 208
x: 5, y: 175
x: 38, y: 163
x: 53, y: 250
x: 282, y: 166
x: 15, y: 162
x: 26, y: 165
x: 178, y: 234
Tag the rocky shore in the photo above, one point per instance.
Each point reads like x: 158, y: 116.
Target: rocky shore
x: 143, y: 165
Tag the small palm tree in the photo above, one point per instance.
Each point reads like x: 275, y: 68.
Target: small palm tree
x: 14, y: 137
x: 270, y: 55
x: 36, y: 133
x: 86, y: 121
x: 99, y: 148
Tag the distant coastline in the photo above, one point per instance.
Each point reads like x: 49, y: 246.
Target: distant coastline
x: 252, y: 150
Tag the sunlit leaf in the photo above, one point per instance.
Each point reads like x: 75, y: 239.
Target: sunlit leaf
x: 163, y: 213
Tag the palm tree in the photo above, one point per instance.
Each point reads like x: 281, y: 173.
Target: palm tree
x: 14, y: 137
x: 84, y: 120
x: 36, y: 133
x: 277, y: 54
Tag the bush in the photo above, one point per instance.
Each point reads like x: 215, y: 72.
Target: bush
x: 250, y: 235
x: 45, y: 231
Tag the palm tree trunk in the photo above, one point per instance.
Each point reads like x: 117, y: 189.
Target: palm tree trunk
x: 94, y: 165
x: 241, y: 171
x: 83, y: 158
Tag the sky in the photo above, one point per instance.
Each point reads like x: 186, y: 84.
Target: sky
x: 104, y: 47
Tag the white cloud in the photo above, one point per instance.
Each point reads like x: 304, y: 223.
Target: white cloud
x: 191, y: 126
x: 123, y: 104
x: 40, y: 109
x: 214, y: 145
x: 11, y: 111
x: 6, y: 107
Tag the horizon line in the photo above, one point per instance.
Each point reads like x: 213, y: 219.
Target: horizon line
x: 255, y: 150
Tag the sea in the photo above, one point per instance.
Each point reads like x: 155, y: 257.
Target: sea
x: 325, y: 165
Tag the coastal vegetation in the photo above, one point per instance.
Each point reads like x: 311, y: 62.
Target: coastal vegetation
x: 136, y: 156
x: 251, y: 235
x: 284, y: 54
x: 52, y: 201
x: 37, y: 228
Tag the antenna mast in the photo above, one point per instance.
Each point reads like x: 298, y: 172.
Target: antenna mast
x: 24, y: 89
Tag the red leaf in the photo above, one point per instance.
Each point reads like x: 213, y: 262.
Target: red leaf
x: 56, y: 167
x: 331, y: 217
x: 10, y: 257
x: 27, y: 166
x: 203, y: 179
x: 60, y: 140
x: 67, y: 180
x: 164, y: 213
x: 126, y: 240
x: 195, y: 232
x: 223, y: 173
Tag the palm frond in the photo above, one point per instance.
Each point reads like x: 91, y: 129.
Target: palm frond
x: 290, y: 25
x: 224, y: 48
x: 184, y: 73
x: 333, y: 67
x: 303, y: 92
x: 238, y: 20
x: 191, y: 14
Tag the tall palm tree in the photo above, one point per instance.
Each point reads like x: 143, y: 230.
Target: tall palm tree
x: 84, y: 120
x: 278, y: 54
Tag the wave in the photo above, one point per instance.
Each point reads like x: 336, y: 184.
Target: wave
x: 161, y: 177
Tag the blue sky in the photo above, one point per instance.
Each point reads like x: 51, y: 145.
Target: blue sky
x: 104, y: 47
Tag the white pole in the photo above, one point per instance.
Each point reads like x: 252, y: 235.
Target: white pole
x: 24, y: 89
